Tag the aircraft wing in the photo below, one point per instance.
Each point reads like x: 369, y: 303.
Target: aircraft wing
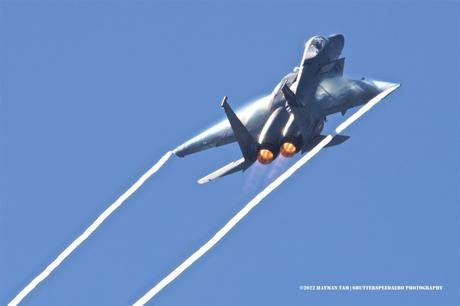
x: 339, y: 94
x: 252, y: 116
x: 319, y: 143
x: 239, y: 165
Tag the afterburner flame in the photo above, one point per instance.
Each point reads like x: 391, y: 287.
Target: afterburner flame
x: 288, y: 149
x: 265, y: 156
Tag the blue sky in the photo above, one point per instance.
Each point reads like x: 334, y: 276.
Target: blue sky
x: 93, y: 93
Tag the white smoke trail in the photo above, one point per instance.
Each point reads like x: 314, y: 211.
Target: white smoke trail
x: 230, y: 224
x: 102, y: 217
x: 365, y: 108
x: 257, y: 199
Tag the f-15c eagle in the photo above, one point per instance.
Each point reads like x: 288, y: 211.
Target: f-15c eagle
x: 291, y: 118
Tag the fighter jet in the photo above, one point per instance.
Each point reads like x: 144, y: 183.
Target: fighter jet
x: 291, y: 118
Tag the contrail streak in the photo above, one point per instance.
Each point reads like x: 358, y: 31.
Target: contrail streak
x: 102, y: 217
x: 230, y: 224
x: 257, y: 199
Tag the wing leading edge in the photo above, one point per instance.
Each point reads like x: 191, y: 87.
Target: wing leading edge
x: 252, y: 117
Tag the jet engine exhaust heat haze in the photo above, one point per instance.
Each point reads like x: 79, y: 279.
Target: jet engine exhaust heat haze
x: 289, y: 120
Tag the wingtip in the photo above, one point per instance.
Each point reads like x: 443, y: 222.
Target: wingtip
x: 394, y: 86
x: 224, y: 101
x: 203, y: 181
x: 178, y: 151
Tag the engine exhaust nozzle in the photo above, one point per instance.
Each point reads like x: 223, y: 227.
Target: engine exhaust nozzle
x: 288, y: 149
x: 265, y: 156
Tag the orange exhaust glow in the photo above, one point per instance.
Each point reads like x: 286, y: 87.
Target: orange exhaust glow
x: 265, y: 156
x: 288, y: 149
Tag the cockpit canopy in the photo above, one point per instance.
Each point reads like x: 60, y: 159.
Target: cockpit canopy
x: 314, y: 46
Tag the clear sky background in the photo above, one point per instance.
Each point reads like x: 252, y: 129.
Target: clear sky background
x: 92, y: 93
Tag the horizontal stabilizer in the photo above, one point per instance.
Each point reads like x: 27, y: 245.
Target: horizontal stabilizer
x: 239, y: 165
x: 338, y: 139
